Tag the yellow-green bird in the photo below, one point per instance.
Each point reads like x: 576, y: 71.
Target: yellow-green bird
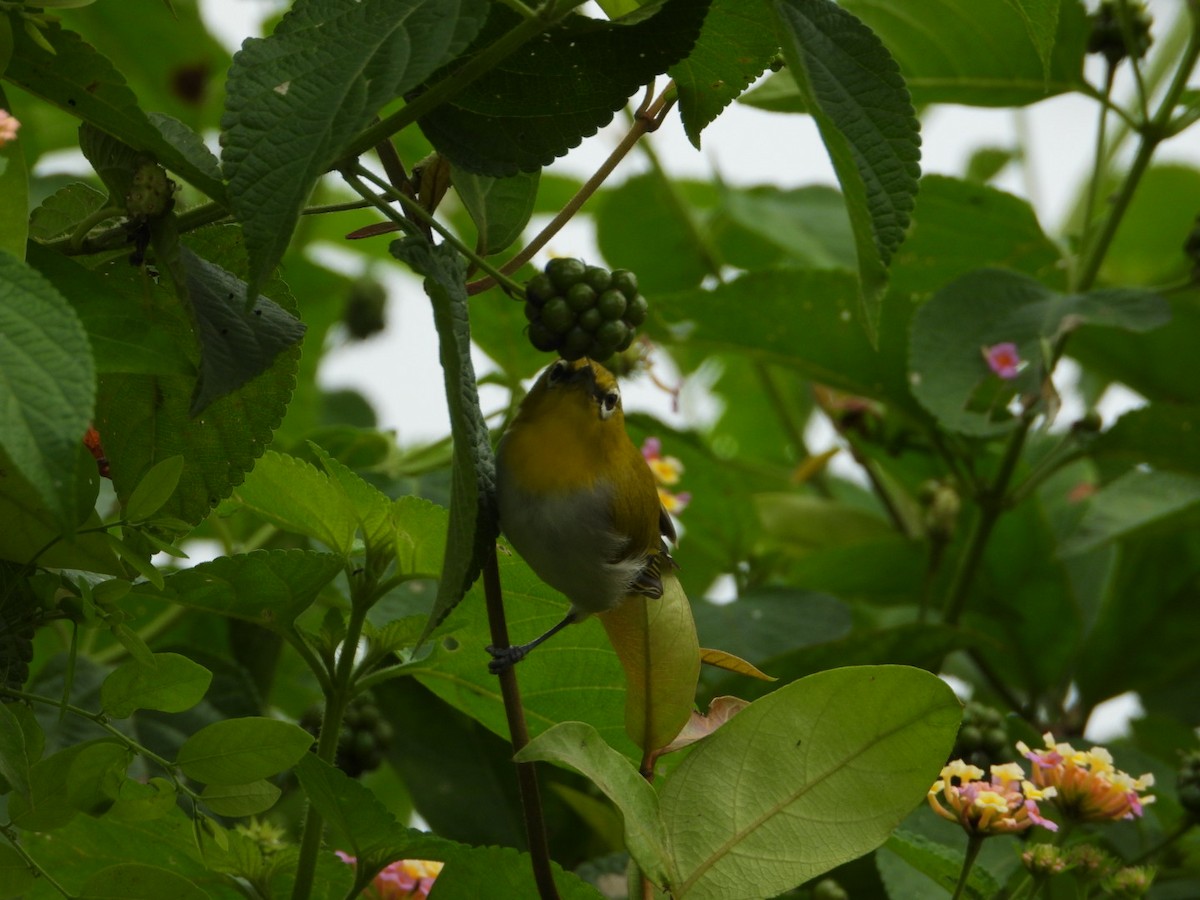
x: 576, y: 498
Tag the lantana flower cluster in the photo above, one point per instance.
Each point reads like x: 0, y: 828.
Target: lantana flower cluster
x: 1005, y: 803
x: 405, y: 879
x: 9, y: 125
x: 1089, y: 788
x: 666, y: 470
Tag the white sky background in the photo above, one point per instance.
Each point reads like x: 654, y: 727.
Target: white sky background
x: 397, y: 368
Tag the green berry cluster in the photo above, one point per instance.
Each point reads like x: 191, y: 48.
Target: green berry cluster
x: 364, y: 739
x: 983, y: 738
x: 19, y: 617
x: 1188, y: 784
x: 579, y: 310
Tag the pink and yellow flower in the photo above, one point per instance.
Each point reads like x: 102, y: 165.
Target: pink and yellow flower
x: 666, y: 471
x: 1089, y: 788
x: 402, y: 880
x: 1004, y: 804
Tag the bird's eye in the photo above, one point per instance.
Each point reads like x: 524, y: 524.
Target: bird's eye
x: 557, y: 371
x: 608, y: 403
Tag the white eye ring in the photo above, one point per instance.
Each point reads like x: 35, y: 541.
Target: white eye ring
x: 609, y: 402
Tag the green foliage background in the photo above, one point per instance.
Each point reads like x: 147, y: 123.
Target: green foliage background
x: 168, y: 296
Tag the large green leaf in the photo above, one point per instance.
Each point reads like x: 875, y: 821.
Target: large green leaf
x: 298, y: 97
x: 173, y: 685
x: 238, y: 751
x: 854, y: 91
x: 950, y: 375
x: 1161, y: 435
x: 546, y: 97
x: 78, y: 79
x: 270, y: 588
x: 473, y: 526
x: 499, y: 207
x: 137, y: 881
x: 802, y: 801
x: 47, y: 387
x: 1137, y: 500
x: 735, y: 45
x: 146, y: 418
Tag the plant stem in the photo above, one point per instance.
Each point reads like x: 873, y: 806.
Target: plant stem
x: 974, y: 842
x: 11, y: 837
x: 82, y: 229
x: 147, y: 633
x: 643, y: 123
x: 477, y: 65
x: 531, y: 803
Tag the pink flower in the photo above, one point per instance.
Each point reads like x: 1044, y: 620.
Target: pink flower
x: 8, y: 127
x: 1005, y: 804
x: 405, y: 879
x: 666, y: 471
x: 1004, y: 360
x: 1089, y: 788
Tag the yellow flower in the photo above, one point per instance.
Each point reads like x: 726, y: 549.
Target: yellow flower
x: 1090, y: 788
x: 996, y: 806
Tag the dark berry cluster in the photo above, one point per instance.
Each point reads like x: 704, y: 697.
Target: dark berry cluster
x: 983, y: 738
x: 364, y: 739
x: 1115, y: 39
x: 1188, y: 784
x: 579, y: 310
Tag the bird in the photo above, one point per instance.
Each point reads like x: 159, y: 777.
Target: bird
x: 576, y: 498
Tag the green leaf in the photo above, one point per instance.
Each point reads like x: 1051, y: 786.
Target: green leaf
x: 145, y: 418
x: 14, y: 187
x: 942, y: 864
x: 499, y: 207
x: 501, y: 873
x: 137, y: 802
x: 296, y: 497
x: 472, y: 529
x: 799, y: 806
x: 15, y: 875
x: 959, y: 226
x: 267, y: 587
x: 96, y: 775
x: 47, y: 388
x: 1135, y: 501
x: 63, y: 210
x: 78, y: 79
x: 296, y: 98
x: 982, y: 52
x: 240, y: 800
x: 56, y: 797
x: 236, y: 345
x: 807, y: 227
x: 735, y: 45
x: 419, y: 531
x: 543, y: 99
x: 154, y: 490
x: 1159, y: 435
x: 122, y: 338
x: 761, y: 623
x: 580, y: 747
x: 173, y: 685
x: 853, y: 89
x: 135, y: 881
x: 238, y: 751
x: 17, y: 754
x: 949, y: 373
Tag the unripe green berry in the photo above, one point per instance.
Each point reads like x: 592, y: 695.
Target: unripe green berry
x: 564, y: 272
x: 612, y: 304
x: 597, y: 279
x: 995, y: 740
x: 575, y: 344
x: 625, y: 282
x: 542, y: 337
x: 969, y: 738
x: 539, y: 289
x: 557, y: 316
x: 611, y: 334
x: 628, y: 342
x: 590, y: 319
x: 636, y: 310
x: 580, y: 297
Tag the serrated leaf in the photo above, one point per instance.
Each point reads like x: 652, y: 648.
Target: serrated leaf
x: 269, y: 588
x: 797, y: 807
x: 473, y: 526
x: 236, y: 344
x: 64, y: 209
x: 79, y: 80
x: 294, y: 496
x: 499, y: 207
x: 145, y: 418
x: 543, y: 99
x: 154, y: 490
x: 580, y: 747
x: 853, y: 89
x: 951, y: 377
x: 659, y: 651
x: 237, y: 751
x: 174, y: 684
x: 736, y: 44
x: 296, y: 98
x: 239, y: 800
x: 14, y: 188
x: 137, y: 881
x: 47, y: 387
